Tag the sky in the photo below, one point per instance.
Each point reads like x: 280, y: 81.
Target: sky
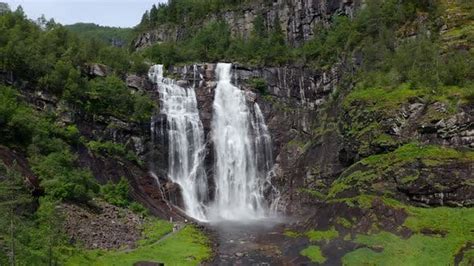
x: 117, y: 13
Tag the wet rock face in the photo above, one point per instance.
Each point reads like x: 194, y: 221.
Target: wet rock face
x: 439, y: 185
x: 290, y: 101
x: 297, y: 18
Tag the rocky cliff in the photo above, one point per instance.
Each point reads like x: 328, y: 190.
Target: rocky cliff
x: 297, y: 18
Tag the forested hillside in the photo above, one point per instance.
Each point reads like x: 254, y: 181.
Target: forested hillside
x: 120, y: 37
x: 368, y: 107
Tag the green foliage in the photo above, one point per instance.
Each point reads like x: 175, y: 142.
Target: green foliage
x: 106, y: 148
x: 17, y: 121
x: 259, y: 84
x: 54, y: 59
x: 109, y: 148
x: 109, y: 35
x: 189, y: 246
x: 331, y: 44
x: 26, y: 239
x: 110, y: 96
x: 14, y: 200
x: 61, y: 179
x: 177, y: 11
x: 213, y: 43
x: 314, y: 254
x: 116, y: 194
x: 138, y: 208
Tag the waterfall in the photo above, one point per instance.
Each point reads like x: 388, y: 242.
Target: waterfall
x: 242, y: 153
x: 242, y: 150
x: 186, y: 142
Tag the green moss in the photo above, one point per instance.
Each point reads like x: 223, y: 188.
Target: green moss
x: 314, y: 254
x: 366, y: 107
x: 303, y: 145
x: 186, y: 247
x: 315, y: 235
x: 381, y: 99
x: 417, y: 250
x: 344, y: 222
x: 449, y: 231
x: 368, y: 173
x: 291, y: 233
x: 312, y: 193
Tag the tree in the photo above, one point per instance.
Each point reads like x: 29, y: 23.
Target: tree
x: 146, y: 21
x: 153, y: 15
x: 14, y: 197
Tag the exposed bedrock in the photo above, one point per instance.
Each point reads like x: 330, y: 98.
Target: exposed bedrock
x: 297, y: 18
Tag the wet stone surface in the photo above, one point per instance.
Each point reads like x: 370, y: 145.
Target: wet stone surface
x: 255, y: 243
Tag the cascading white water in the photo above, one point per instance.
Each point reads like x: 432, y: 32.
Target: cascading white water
x: 243, y: 153
x: 186, y: 142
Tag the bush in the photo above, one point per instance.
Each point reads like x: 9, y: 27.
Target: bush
x: 138, y: 208
x: 260, y: 85
x: 17, y: 121
x: 110, y: 96
x: 61, y: 179
x: 116, y: 194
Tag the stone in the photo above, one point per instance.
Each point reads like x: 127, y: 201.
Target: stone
x: 98, y: 70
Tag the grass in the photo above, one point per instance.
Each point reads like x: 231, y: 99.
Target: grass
x: 381, y: 99
x: 187, y: 247
x: 315, y: 235
x: 155, y: 230
x: 314, y: 254
x: 468, y: 258
x: 292, y: 234
x: 438, y: 235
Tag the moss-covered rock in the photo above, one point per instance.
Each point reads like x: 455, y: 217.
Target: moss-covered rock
x: 429, y: 174
x: 377, y: 120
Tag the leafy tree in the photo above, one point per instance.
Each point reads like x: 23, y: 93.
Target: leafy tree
x: 61, y: 179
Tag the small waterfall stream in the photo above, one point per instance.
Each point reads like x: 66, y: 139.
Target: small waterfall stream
x: 242, y: 150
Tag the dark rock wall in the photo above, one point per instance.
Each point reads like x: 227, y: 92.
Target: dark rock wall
x: 290, y: 105
x: 297, y: 18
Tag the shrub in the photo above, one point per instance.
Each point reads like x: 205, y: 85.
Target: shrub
x: 61, y: 179
x: 117, y: 194
x: 138, y: 208
x: 260, y: 85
